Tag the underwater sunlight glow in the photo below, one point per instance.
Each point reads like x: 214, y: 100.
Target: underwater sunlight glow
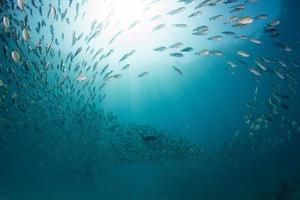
x: 122, y: 12
x: 149, y: 99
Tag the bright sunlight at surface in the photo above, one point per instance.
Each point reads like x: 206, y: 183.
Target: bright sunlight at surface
x: 123, y: 12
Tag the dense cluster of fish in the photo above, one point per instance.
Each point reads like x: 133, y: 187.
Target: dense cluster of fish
x: 52, y: 95
x: 38, y: 79
x: 85, y: 143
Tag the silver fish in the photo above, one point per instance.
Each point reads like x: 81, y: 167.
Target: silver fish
x: 15, y: 56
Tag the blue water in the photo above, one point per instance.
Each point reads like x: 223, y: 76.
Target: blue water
x: 62, y: 138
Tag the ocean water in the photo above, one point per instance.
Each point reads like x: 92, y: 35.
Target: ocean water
x: 149, y: 100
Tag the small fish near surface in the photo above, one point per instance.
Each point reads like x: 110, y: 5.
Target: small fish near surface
x: 203, y: 52
x: 177, y: 70
x: 177, y: 55
x: 143, y: 74
x: 127, y: 55
x: 126, y: 67
x: 177, y: 11
x: 187, y: 49
x: 115, y: 76
x: 160, y: 49
x: 159, y: 27
x: 176, y: 45
x: 180, y: 25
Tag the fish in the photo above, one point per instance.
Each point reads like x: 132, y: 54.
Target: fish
x: 187, y: 49
x: 34, y: 4
x: 279, y: 75
x: 176, y: 11
x: 195, y: 14
x: 40, y: 75
x: 205, y: 3
x: 217, y: 52
x: 156, y: 17
x: 261, y: 17
x: 149, y: 138
x: 21, y: 4
x: 15, y: 56
x: 229, y: 33
x: 81, y: 78
x: 260, y: 65
x: 215, y: 38
x: 244, y: 20
x: 98, y: 53
x: 178, y: 70
x: 135, y: 23
x: 200, y: 33
x: 178, y: 55
x: 2, y: 83
x: 115, y: 76
x: 180, y: 25
x: 254, y: 40
x: 77, y: 52
x: 176, y: 45
x: 52, y: 11
x: 158, y: 27
x: 231, y: 64
x: 200, y: 28
x: 217, y: 17
x: 6, y: 22
x: 237, y: 8
x: 243, y: 53
x: 186, y: 1
x: 231, y: 19
x: 107, y: 74
x: 126, y: 67
x: 242, y: 37
x: 203, y: 52
x: 285, y: 106
x: 274, y: 22
x: 143, y: 74
x: 26, y: 34
x: 282, y: 63
x: 115, y: 37
x: 162, y: 48
x: 255, y: 71
x: 127, y: 55
x: 282, y: 46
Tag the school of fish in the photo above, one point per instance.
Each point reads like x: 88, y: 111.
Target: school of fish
x: 39, y: 79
